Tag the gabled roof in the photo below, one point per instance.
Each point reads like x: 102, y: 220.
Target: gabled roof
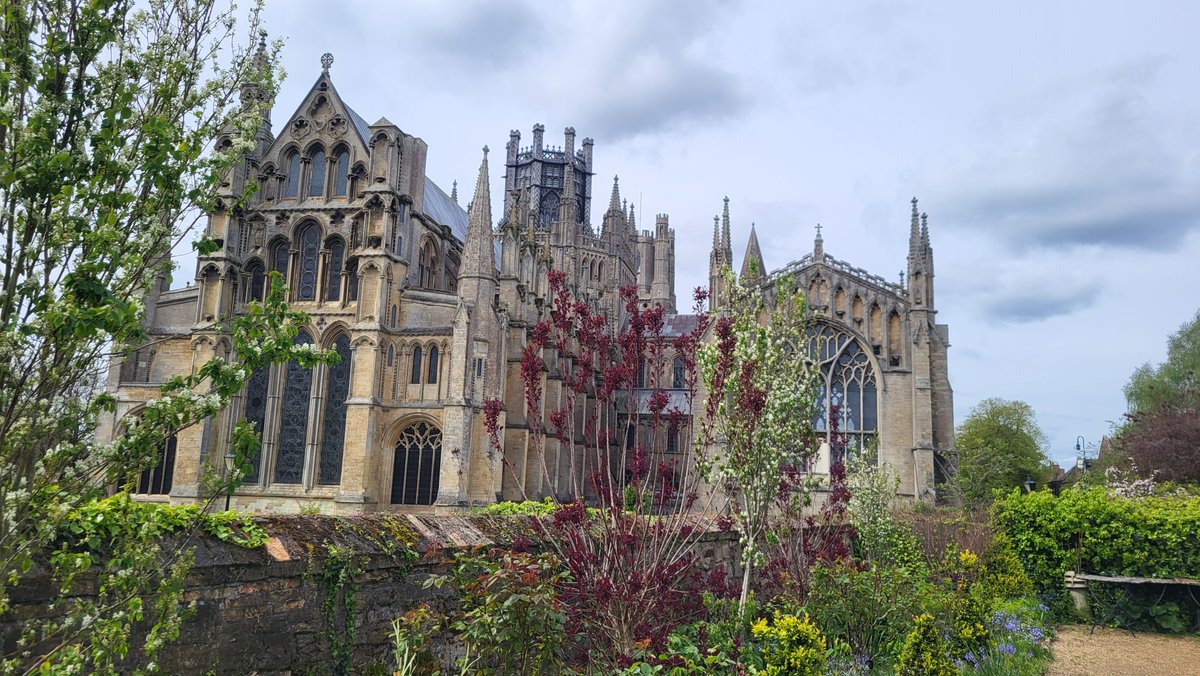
x: 360, y: 125
x: 442, y: 209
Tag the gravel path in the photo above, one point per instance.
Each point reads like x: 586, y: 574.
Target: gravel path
x: 1112, y: 652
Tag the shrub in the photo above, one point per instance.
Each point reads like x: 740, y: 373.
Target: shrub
x: 791, y: 645
x: 1090, y: 531
x: 924, y: 652
x: 866, y: 607
x: 1003, y: 575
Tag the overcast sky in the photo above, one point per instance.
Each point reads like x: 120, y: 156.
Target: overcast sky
x: 1054, y: 145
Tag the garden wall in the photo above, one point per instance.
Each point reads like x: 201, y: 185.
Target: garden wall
x: 260, y: 610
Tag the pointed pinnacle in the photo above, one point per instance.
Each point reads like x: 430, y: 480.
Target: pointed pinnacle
x: 614, y: 202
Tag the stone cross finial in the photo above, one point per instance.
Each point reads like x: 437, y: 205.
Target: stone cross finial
x: 326, y: 61
x: 818, y: 229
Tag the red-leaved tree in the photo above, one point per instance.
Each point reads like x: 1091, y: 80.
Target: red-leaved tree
x: 622, y: 527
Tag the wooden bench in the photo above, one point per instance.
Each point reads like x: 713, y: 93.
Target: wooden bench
x: 1077, y: 585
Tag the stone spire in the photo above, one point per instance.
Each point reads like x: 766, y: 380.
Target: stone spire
x: 632, y: 218
x: 614, y: 202
x: 818, y: 246
x: 753, y: 266
x: 716, y: 234
x: 454, y: 192
x: 726, y: 245
x: 924, y: 233
x: 479, y: 261
x: 914, y: 235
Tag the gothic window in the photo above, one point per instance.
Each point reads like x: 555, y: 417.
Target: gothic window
x: 156, y: 480
x: 309, y: 238
x: 333, y: 277
x: 279, y: 258
x: 293, y: 428
x: 352, y: 281
x: 341, y: 172
x: 895, y: 345
x: 391, y: 355
x: 334, y: 434
x: 257, y: 280
x: 316, y: 178
x: 427, y: 266
x: 244, y: 236
x: 417, y: 465
x: 848, y: 385
x: 398, y: 232
x: 256, y: 413
x: 396, y: 378
x: 291, y: 186
x: 416, y: 366
x: 548, y: 210
x: 640, y: 377
x: 433, y: 366
x: 393, y: 317
x: 677, y: 373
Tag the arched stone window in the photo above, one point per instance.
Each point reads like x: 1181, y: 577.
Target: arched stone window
x: 333, y: 435
x: 256, y: 413
x: 678, y: 374
x: 316, y: 177
x: 417, y: 465
x: 848, y: 382
x: 427, y: 266
x: 416, y: 366
x: 433, y: 366
x: 279, y: 258
x: 293, y: 428
x: 548, y: 210
x: 309, y: 238
x: 291, y: 185
x: 394, y: 316
x: 333, y: 276
x: 258, y: 280
x: 341, y: 172
x: 157, y: 480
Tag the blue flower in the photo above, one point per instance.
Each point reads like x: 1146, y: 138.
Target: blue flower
x: 1008, y: 648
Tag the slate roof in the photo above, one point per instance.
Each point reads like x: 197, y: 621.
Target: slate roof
x: 678, y: 325
x: 442, y: 209
x: 360, y: 125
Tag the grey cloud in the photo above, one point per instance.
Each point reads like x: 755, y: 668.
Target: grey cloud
x: 489, y: 36
x: 1101, y: 172
x: 684, y: 94
x: 1026, y: 304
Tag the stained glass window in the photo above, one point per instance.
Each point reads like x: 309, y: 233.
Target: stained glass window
x: 433, y: 366
x: 677, y: 373
x: 416, y: 366
x: 293, y: 427
x: 341, y: 171
x: 309, y: 238
x: 847, y: 382
x: 292, y: 183
x: 256, y: 413
x: 548, y: 210
x: 156, y: 480
x: 333, y: 277
x: 316, y: 182
x: 334, y: 436
x: 417, y: 465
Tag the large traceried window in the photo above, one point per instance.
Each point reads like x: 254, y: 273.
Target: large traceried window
x: 256, y: 413
x: 848, y: 384
x: 334, y: 434
x: 417, y: 465
x: 310, y: 250
x: 279, y: 258
x: 293, y: 427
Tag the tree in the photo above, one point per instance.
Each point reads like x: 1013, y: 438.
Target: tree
x: 603, y: 434
x: 108, y: 109
x: 1000, y: 446
x: 761, y: 388
x: 1162, y: 430
x: 1176, y: 381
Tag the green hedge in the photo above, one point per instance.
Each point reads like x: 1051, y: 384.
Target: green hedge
x: 1092, y: 532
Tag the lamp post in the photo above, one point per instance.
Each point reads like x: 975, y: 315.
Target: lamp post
x: 230, y: 461
x: 1081, y: 449
x: 1029, y: 484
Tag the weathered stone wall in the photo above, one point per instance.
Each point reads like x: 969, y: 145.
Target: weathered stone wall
x: 259, y: 611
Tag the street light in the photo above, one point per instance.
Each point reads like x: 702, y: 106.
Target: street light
x: 230, y: 462
x: 1029, y: 484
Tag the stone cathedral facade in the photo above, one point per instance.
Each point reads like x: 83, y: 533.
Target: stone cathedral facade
x: 428, y: 304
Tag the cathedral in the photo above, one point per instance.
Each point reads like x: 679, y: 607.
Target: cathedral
x: 428, y: 305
